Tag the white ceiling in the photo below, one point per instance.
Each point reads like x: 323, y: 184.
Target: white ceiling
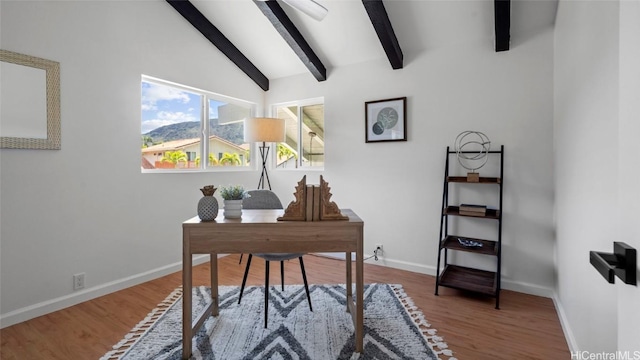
x: 346, y: 35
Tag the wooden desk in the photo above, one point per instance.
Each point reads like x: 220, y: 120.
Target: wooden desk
x: 258, y: 231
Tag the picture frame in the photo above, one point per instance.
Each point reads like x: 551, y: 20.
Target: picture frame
x: 35, y: 82
x: 386, y: 120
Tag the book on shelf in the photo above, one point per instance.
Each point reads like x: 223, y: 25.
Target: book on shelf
x: 472, y: 209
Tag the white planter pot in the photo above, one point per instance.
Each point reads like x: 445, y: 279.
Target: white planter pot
x: 233, y: 209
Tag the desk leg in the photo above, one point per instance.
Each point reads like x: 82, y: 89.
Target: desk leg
x: 213, y: 262
x: 349, y: 282
x: 359, y: 297
x: 186, y: 296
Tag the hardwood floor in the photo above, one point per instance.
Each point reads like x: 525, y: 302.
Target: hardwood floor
x: 526, y: 326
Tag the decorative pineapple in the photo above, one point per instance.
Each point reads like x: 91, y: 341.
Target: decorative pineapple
x: 208, y: 205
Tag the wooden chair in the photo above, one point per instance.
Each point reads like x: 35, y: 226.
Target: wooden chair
x: 267, y: 199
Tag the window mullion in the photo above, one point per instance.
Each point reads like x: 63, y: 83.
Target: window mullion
x: 175, y: 149
x: 204, y: 135
x: 300, y: 139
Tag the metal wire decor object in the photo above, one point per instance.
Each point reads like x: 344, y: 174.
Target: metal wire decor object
x: 472, y: 148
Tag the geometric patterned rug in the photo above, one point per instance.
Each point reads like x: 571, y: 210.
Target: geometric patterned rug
x: 394, y: 328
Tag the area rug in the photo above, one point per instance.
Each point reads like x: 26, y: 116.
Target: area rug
x: 394, y: 328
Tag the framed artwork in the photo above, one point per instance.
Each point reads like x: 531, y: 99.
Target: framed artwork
x: 386, y: 120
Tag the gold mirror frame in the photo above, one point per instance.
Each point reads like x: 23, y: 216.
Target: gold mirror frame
x: 52, y: 70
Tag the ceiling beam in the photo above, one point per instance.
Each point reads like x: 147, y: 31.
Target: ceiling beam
x: 381, y: 23
x: 502, y: 10
x: 279, y: 19
x: 202, y: 24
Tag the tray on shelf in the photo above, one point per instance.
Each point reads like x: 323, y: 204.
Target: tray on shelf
x: 489, y: 247
x: 464, y: 278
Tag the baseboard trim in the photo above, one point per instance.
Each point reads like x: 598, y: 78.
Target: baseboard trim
x: 564, y: 323
x: 49, y: 306
x: 527, y: 288
x: 45, y: 307
x: 518, y: 286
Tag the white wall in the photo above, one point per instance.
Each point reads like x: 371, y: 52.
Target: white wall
x: 87, y: 208
x: 397, y: 187
x: 63, y: 215
x: 595, y: 127
x: 629, y: 194
x: 586, y: 87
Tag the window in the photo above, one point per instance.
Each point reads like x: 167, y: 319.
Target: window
x: 175, y: 119
x: 304, y: 140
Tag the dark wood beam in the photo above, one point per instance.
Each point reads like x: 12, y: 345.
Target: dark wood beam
x: 289, y: 32
x: 502, y: 10
x: 202, y: 24
x: 381, y: 23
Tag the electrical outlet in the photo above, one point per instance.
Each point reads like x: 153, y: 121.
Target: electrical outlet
x: 377, y: 252
x: 78, y: 281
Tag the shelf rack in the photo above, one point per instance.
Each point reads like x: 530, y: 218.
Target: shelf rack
x: 462, y: 277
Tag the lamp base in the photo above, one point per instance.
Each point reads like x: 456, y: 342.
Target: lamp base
x: 264, y: 154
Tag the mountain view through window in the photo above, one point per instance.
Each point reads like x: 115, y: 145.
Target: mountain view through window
x: 174, y: 122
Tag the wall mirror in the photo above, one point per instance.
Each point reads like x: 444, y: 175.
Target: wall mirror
x: 29, y: 102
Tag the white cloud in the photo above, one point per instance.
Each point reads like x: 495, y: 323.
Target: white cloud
x: 177, y: 116
x: 154, y: 124
x: 148, y: 106
x: 153, y: 93
x: 164, y: 118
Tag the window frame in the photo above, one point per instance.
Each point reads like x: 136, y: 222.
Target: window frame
x: 205, y: 97
x: 300, y: 104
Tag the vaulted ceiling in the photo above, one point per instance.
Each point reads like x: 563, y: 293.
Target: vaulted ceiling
x: 270, y: 39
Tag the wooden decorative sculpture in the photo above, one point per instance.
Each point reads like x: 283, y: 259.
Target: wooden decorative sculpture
x: 297, y: 208
x: 328, y: 209
x: 312, y: 203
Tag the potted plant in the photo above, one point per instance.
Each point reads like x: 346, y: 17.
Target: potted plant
x: 233, y: 196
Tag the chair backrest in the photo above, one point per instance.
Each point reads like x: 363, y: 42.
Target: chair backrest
x: 262, y: 199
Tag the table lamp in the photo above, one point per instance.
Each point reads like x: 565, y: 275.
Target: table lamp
x: 262, y: 129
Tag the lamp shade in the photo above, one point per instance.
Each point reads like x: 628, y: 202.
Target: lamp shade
x: 263, y: 130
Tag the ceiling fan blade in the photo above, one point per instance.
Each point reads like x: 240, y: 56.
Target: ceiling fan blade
x: 309, y: 7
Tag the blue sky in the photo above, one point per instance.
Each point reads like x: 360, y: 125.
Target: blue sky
x: 166, y: 105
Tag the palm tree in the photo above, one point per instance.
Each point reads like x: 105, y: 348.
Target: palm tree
x: 285, y: 152
x: 175, y: 156
x: 147, y: 141
x: 230, y: 159
x: 212, y: 160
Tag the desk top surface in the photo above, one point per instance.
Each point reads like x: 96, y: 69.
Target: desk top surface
x: 254, y: 216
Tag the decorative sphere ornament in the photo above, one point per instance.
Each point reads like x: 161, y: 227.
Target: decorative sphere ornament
x: 472, y: 148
